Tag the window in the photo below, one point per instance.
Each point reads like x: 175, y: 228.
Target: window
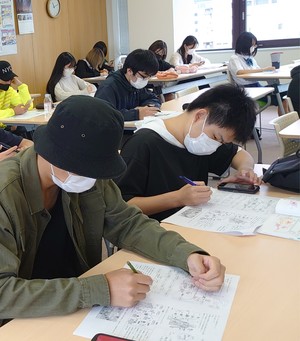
x: 219, y: 23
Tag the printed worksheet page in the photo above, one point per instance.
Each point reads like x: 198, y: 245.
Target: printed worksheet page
x: 226, y: 212
x: 175, y: 309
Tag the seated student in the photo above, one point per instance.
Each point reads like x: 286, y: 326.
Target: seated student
x: 16, y: 143
x: 108, y: 66
x: 91, y: 65
x: 63, y: 83
x: 61, y: 202
x: 192, y: 144
x: 159, y: 48
x: 125, y: 88
x: 294, y: 88
x: 14, y: 95
x: 186, y: 54
x: 243, y: 62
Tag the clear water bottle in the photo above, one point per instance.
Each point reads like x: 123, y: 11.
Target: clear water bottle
x: 47, y: 104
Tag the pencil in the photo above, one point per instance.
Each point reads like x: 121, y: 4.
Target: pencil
x: 132, y: 267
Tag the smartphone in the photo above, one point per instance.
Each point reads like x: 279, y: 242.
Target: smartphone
x: 106, y: 337
x: 5, y: 147
x: 237, y: 187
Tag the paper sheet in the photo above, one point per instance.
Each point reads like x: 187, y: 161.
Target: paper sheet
x: 226, y: 212
x: 29, y: 114
x: 174, y: 309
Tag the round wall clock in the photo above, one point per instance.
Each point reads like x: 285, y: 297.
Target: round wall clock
x: 53, y: 8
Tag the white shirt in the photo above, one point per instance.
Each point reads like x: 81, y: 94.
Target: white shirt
x: 238, y: 62
x: 71, y: 85
x: 176, y: 59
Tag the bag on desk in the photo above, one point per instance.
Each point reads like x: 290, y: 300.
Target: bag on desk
x: 285, y: 173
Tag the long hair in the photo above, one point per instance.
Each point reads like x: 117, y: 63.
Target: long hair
x: 62, y: 60
x: 244, y: 42
x: 159, y: 45
x: 188, y: 41
x: 96, y: 58
x: 102, y: 46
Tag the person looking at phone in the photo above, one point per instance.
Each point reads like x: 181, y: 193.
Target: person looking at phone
x: 14, y: 95
x: 193, y: 144
x: 57, y: 202
x: 11, y: 143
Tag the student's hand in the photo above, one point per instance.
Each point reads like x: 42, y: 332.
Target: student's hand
x: 15, y: 83
x: 189, y: 195
x: 8, y: 153
x: 244, y: 176
x: 90, y: 88
x: 20, y: 109
x: 25, y: 143
x: 207, y: 271
x: 147, y: 111
x: 28, y: 104
x: 202, y: 62
x: 126, y: 287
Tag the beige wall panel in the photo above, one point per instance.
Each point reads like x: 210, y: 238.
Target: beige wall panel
x: 80, y: 24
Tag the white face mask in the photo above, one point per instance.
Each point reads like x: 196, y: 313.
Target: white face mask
x: 140, y: 83
x: 68, y: 72
x: 191, y: 51
x: 201, y: 145
x: 252, y: 49
x: 73, y: 183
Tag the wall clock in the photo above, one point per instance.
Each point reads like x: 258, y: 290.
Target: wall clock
x: 53, y: 8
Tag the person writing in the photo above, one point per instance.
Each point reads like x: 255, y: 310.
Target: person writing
x: 192, y: 144
x: 107, y: 66
x: 58, y: 201
x: 125, y: 88
x: 160, y: 49
x: 63, y: 83
x: 14, y: 95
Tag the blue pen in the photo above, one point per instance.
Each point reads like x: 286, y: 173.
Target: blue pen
x: 186, y: 180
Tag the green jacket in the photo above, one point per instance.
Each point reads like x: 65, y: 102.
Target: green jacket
x: 99, y: 212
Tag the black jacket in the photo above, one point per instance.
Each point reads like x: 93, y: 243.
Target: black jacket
x: 124, y: 97
x: 294, y: 88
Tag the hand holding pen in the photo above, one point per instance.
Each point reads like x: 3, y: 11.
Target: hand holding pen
x: 193, y: 193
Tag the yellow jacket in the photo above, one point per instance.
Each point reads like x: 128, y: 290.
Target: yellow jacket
x: 11, y: 98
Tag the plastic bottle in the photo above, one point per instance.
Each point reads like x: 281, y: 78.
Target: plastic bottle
x: 47, y: 104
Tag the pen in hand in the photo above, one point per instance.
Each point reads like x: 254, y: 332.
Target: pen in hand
x: 132, y: 267
x: 153, y: 106
x: 187, y: 181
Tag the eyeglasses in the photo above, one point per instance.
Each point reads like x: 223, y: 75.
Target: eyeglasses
x: 142, y: 76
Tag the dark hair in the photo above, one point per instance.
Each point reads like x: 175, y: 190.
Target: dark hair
x: 159, y: 45
x: 62, y: 60
x: 229, y: 107
x: 189, y: 40
x: 141, y: 60
x: 244, y: 42
x: 102, y: 46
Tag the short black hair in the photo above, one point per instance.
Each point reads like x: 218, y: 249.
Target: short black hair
x: 141, y: 60
x: 244, y: 42
x: 229, y: 107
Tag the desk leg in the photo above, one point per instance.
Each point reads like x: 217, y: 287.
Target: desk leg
x: 282, y: 111
x: 259, y: 150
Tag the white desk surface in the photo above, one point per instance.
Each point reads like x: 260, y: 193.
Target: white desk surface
x: 284, y: 72
x: 291, y: 131
x: 266, y: 305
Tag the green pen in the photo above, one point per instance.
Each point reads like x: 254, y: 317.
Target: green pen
x: 132, y: 267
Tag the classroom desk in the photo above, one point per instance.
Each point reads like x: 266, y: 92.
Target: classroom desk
x: 291, y: 131
x: 273, y: 77
x: 265, y: 307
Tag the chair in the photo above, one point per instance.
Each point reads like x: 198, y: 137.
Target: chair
x: 186, y: 91
x: 290, y: 106
x: 288, y: 146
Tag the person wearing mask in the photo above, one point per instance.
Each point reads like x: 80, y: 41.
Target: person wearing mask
x: 14, y: 94
x: 126, y: 88
x: 159, y: 48
x: 63, y: 83
x: 186, y: 54
x: 197, y: 142
x: 91, y: 65
x: 107, y: 65
x: 58, y: 201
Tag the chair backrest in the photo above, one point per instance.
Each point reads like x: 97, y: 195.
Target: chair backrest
x: 186, y: 91
x: 288, y: 146
x: 289, y: 104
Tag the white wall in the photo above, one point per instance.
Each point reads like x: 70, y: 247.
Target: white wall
x: 152, y: 20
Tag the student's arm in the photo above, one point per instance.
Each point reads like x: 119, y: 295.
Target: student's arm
x: 244, y: 72
x: 22, y: 95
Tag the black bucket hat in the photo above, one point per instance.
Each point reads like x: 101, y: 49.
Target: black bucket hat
x: 83, y: 137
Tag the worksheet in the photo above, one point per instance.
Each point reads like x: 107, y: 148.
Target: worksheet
x: 28, y: 114
x: 227, y: 212
x: 174, y: 309
x: 285, y: 222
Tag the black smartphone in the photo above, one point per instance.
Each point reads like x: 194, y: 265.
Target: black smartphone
x: 106, y: 337
x: 5, y: 147
x: 237, y: 187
